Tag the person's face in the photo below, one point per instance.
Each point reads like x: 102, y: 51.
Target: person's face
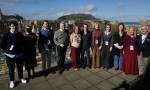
x: 76, y: 30
x: 107, y: 28
x: 144, y: 30
x: 45, y: 24
x: 96, y: 26
x: 131, y: 31
x: 120, y: 27
x: 12, y: 27
x: 85, y: 27
x: 62, y: 26
x: 28, y: 30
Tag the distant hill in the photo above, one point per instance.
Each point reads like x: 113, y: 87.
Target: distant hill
x: 77, y: 17
x: 13, y: 17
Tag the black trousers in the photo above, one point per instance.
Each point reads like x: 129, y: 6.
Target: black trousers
x: 87, y: 55
x: 11, y: 65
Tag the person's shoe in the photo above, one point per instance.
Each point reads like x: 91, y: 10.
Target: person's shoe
x: 116, y: 69
x: 89, y: 66
x: 94, y: 67
x: 59, y: 72
x: 45, y: 73
x: 77, y: 69
x: 139, y: 76
x: 53, y: 71
x: 12, y: 84
x: 83, y: 67
x: 23, y: 80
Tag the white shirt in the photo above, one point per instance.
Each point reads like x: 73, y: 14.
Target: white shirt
x: 144, y: 37
x: 61, y: 30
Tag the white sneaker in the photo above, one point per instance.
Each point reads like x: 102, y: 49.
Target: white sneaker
x: 23, y: 80
x: 12, y: 84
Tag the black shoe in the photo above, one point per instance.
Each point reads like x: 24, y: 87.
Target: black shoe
x: 89, y: 66
x: 53, y: 71
x: 83, y: 67
x: 45, y: 73
x: 116, y: 69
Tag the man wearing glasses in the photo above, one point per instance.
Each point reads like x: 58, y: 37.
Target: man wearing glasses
x: 143, y: 51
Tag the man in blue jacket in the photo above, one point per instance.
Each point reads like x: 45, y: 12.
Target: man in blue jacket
x: 46, y: 44
x: 12, y: 44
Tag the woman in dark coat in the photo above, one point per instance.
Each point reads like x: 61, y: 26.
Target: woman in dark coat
x: 107, y: 47
x: 30, y: 40
x: 118, y: 46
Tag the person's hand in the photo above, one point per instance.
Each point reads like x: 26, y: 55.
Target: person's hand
x: 90, y: 49
x: 61, y: 45
x: 110, y: 49
x: 100, y: 48
x: 123, y: 52
x: 36, y: 46
x: 120, y: 47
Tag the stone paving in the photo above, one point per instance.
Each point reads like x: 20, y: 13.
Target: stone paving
x: 84, y: 79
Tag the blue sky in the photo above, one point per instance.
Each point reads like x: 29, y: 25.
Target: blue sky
x: 114, y: 10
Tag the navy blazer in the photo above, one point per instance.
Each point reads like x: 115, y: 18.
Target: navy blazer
x: 7, y: 41
x: 44, y: 36
x: 86, y: 40
x: 145, y: 47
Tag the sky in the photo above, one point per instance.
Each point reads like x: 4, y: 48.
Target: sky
x: 113, y: 10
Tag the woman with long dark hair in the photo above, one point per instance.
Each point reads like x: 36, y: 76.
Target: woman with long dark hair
x: 118, y: 46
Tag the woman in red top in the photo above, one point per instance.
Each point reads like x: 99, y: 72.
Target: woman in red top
x: 130, y: 63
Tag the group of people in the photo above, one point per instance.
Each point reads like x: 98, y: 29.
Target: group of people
x: 127, y: 51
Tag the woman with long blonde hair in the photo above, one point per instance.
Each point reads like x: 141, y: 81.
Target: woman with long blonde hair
x: 130, y: 62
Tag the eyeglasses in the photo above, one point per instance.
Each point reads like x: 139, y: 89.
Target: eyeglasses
x: 143, y: 29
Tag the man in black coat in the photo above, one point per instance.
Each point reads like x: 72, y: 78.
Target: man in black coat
x: 86, y: 46
x: 12, y: 44
x: 143, y: 51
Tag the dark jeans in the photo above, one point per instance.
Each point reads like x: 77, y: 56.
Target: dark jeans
x: 11, y: 65
x: 61, y: 52
x: 87, y: 55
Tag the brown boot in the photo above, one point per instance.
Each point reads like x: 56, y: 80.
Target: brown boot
x: 59, y: 72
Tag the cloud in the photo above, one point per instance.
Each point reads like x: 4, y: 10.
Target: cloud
x: 11, y: 3
x: 23, y: 1
x: 5, y: 4
x: 120, y: 5
x: 88, y: 8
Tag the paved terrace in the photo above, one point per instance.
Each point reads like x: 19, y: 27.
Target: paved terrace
x: 84, y: 79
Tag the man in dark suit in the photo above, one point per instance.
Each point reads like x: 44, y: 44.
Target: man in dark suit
x: 86, y: 45
x: 143, y: 51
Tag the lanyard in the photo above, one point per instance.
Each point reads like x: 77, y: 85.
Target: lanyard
x: 96, y: 34
x: 143, y: 38
x: 106, y: 36
x: 12, y: 37
x: 132, y: 40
